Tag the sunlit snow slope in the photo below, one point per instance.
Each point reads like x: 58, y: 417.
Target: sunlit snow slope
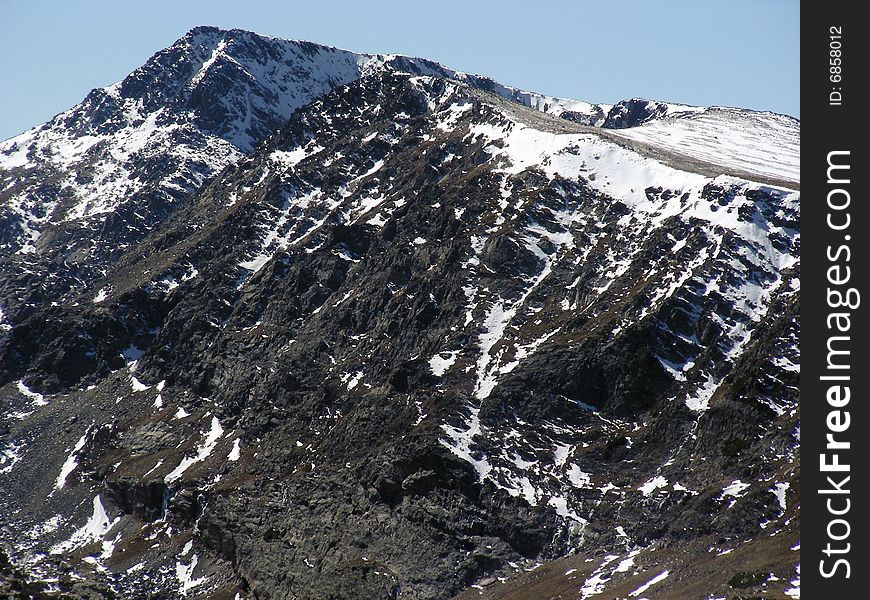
x: 756, y: 143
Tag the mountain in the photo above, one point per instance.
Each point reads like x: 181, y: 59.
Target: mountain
x: 286, y: 321
x: 79, y: 190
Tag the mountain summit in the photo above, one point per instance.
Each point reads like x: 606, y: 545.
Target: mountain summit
x: 279, y: 320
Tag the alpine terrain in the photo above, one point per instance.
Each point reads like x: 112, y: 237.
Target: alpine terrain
x: 279, y: 320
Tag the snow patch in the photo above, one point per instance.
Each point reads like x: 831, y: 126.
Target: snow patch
x: 736, y: 489
x: 596, y: 582
x: 462, y: 439
x: 184, y: 574
x: 137, y: 385
x: 627, y: 563
x: 657, y: 579
x: 203, y: 452
x: 97, y: 526
x: 351, y: 380
x: 560, y: 454
x: 235, y: 451
x: 579, y: 478
x: 779, y: 490
x: 653, y: 484
x: 10, y: 455
x: 37, y: 398
x: 289, y: 159
x: 561, y: 505
x: 795, y: 590
x: 71, y: 461
x: 441, y: 362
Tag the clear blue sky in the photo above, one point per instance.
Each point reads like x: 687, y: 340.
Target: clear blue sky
x: 733, y: 52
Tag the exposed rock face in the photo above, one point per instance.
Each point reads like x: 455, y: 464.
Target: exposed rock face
x: 425, y: 335
x: 634, y: 112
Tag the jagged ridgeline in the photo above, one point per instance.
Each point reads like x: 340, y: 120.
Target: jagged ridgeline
x: 279, y: 320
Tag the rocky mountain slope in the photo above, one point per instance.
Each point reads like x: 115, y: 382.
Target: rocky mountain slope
x: 284, y: 321
x: 79, y: 190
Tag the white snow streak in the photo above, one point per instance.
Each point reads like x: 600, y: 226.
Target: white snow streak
x: 203, y: 452
x: 37, y: 398
x: 658, y: 578
x: 98, y: 525
x: 71, y: 462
